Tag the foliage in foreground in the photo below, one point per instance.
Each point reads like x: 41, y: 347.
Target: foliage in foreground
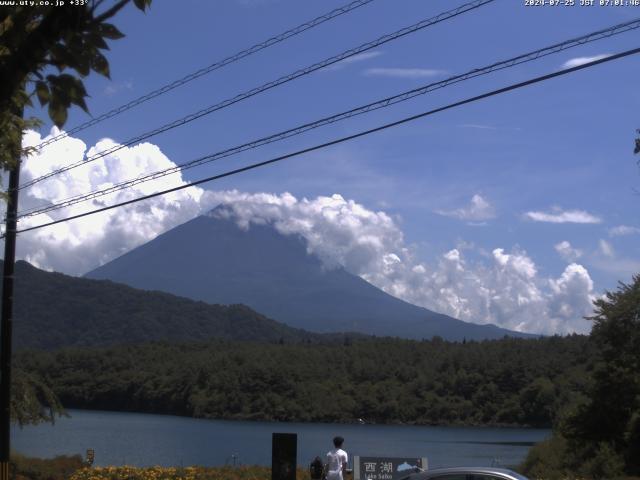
x: 58, y: 468
x: 32, y: 400
x: 72, y: 468
x: 503, y: 382
x: 600, y: 437
x: 173, y: 473
x: 37, y: 38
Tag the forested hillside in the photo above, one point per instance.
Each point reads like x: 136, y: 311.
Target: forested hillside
x: 502, y: 382
x: 53, y: 310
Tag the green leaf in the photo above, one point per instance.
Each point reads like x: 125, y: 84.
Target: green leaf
x: 100, y: 64
x: 81, y: 62
x: 78, y: 54
x: 59, y: 91
x: 57, y: 113
x: 109, y: 31
x: 42, y: 91
x: 81, y: 103
x: 59, y: 56
x: 70, y: 89
x: 142, y: 4
x: 7, y: 24
x: 97, y: 41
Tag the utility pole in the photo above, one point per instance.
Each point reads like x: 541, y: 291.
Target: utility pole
x: 6, y: 323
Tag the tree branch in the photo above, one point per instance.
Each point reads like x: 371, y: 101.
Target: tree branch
x: 30, y: 53
x: 111, y: 12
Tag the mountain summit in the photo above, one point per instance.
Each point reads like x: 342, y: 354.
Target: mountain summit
x: 213, y: 260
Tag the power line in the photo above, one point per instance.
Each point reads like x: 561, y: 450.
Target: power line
x: 214, y: 66
x: 274, y: 83
x: 386, y: 102
x: 344, y: 139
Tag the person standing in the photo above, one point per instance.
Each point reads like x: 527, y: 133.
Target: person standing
x: 337, y: 460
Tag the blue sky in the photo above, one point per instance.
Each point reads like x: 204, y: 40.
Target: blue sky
x: 561, y: 150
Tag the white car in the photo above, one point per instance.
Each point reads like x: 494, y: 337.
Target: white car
x: 466, y: 473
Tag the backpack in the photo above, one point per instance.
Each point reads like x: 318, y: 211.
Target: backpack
x: 316, y: 469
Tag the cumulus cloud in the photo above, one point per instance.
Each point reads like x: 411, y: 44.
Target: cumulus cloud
x: 80, y: 245
x: 567, y: 252
x: 478, y: 210
x: 404, y: 72
x: 557, y: 215
x: 504, y: 288
x: 621, y: 230
x: 571, y: 298
x: 576, y: 62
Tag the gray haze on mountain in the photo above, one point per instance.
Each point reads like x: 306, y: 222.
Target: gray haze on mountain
x: 213, y: 260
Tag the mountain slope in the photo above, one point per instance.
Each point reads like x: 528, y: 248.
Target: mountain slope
x: 53, y: 310
x: 212, y: 260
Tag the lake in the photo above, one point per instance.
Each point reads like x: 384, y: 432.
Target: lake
x: 144, y: 440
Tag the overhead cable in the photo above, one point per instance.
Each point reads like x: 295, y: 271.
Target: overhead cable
x: 344, y: 139
x: 214, y: 66
x: 386, y: 102
x: 272, y: 84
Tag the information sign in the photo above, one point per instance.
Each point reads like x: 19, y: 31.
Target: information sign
x: 386, y: 468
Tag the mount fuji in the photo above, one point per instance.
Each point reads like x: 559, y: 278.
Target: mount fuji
x: 211, y: 259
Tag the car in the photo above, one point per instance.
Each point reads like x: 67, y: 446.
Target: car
x: 466, y: 473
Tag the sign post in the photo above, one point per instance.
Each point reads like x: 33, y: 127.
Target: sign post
x: 284, y: 452
x: 386, y: 468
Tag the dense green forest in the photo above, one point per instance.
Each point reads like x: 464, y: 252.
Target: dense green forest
x: 500, y: 382
x: 599, y: 436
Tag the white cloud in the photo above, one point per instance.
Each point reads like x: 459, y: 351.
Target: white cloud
x: 621, y: 230
x: 504, y: 288
x: 478, y: 210
x: 341, y: 232
x: 77, y: 246
x: 360, y: 57
x: 404, y: 72
x: 606, y: 249
x: 567, y: 252
x: 622, y: 268
x: 117, y: 87
x: 572, y: 298
x: 576, y: 62
x: 558, y: 215
x: 607, y: 260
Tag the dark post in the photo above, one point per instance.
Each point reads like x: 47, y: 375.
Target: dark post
x: 284, y: 452
x: 7, y: 319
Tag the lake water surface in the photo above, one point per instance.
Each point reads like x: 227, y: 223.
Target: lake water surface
x: 144, y: 440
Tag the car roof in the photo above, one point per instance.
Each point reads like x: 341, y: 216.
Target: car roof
x: 499, y: 472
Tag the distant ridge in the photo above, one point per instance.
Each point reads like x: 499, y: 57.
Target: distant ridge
x: 53, y: 310
x: 211, y: 259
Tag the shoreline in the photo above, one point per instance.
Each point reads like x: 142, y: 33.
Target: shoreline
x: 318, y: 422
